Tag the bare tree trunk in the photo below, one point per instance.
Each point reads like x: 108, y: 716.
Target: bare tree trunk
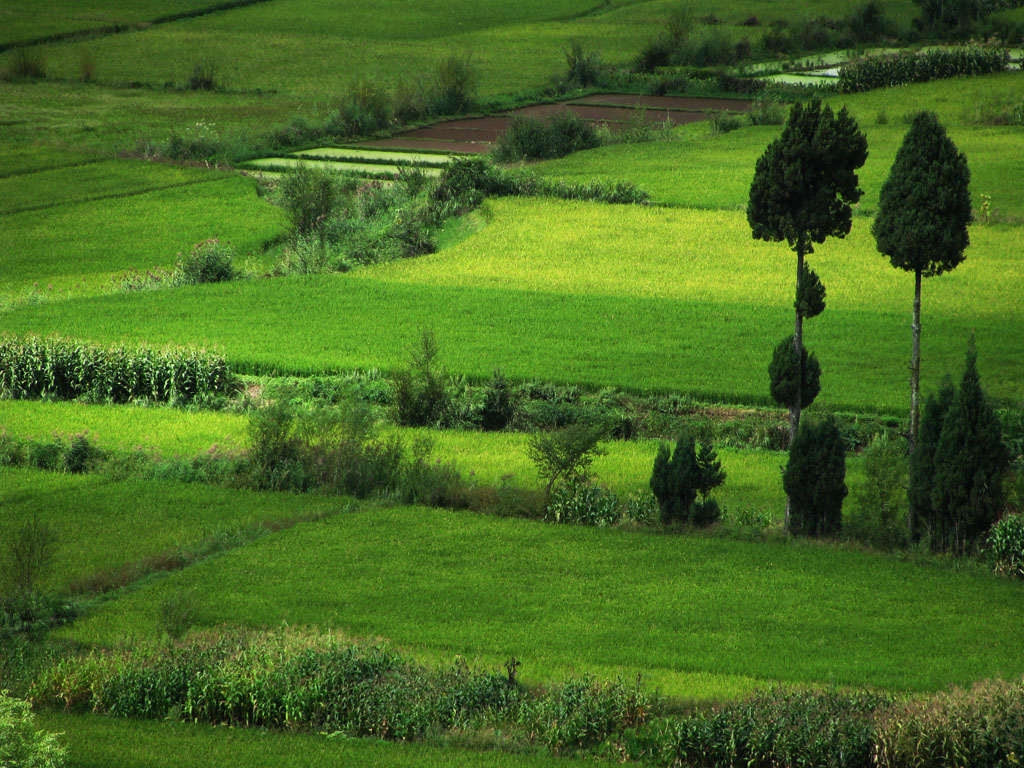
x: 798, y: 345
x: 915, y: 382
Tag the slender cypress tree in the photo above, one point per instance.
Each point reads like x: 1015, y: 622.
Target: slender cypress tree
x: 970, y: 461
x: 923, y: 212
x: 804, y: 185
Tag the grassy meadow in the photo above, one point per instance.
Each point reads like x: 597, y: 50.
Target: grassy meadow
x: 644, y: 292
x: 671, y: 298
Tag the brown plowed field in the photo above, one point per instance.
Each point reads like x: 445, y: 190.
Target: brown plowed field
x: 475, y: 135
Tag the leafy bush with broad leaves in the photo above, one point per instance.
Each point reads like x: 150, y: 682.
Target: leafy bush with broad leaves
x: 63, y: 369
x: 1005, y: 544
x: 21, y: 745
x: 578, y: 503
x: 909, y: 67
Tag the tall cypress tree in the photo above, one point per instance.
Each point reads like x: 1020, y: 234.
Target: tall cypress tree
x: 804, y: 185
x: 922, y: 463
x: 970, y: 461
x: 815, y: 480
x: 923, y: 212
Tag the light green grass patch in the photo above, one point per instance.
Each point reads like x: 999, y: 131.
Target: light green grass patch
x: 374, y: 155
x: 102, y: 525
x: 340, y: 166
x: 568, y: 600
x: 82, y: 246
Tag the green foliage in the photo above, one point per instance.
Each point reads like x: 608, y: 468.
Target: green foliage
x: 26, y: 64
x: 309, y: 195
x: 499, y: 407
x: 922, y: 462
x: 62, y: 369
x: 421, y: 397
x: 203, y: 77
x: 564, y: 455
x: 27, y: 557
x: 365, y: 109
x: 208, y: 262
x: 878, y: 517
x: 21, y: 745
x: 810, y: 295
x: 1005, y: 544
x: 454, y: 86
x: 806, y: 181
x: 784, y: 375
x: 925, y: 206
x: 983, y: 725
x: 678, y: 479
x: 970, y: 462
x: 778, y: 727
x: 531, y: 138
x: 583, y: 66
x: 815, y: 480
x: 580, y: 503
x: 887, y: 70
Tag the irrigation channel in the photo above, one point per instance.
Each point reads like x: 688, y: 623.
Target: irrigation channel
x: 431, y: 147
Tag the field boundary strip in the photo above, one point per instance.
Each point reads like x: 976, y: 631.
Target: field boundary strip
x: 137, y: 26
x: 110, y: 196
x: 76, y: 164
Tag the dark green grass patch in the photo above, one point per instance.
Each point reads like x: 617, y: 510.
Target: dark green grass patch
x: 598, y: 295
x: 82, y: 246
x: 103, y: 525
x: 101, y: 742
x: 696, y: 615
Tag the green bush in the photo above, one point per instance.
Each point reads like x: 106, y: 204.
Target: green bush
x: 421, y: 398
x: 878, y: 516
x: 26, y: 64
x: 1005, y: 544
x: 784, y: 375
x: 203, y: 77
x: 62, y: 369
x: 583, y: 66
x: 531, y: 138
x: 499, y: 406
x: 815, y: 479
x: 453, y: 90
x: 578, y: 503
x: 208, y: 262
x: 364, y: 110
x: 309, y: 195
x: 21, y: 745
x: 565, y: 454
x: 909, y: 67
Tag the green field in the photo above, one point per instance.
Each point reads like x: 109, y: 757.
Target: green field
x: 101, y: 742
x: 645, y: 292
x: 701, y: 617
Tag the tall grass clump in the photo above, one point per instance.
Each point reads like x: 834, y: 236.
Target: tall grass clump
x: 453, y: 89
x: 26, y: 64
x: 203, y: 76
x: 364, y: 110
x: 583, y: 67
x: 64, y: 369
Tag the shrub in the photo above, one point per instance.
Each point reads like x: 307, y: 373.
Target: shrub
x: 784, y: 375
x: 364, y: 110
x: 580, y: 503
x: 21, y: 745
x: 583, y: 66
x: 203, y: 77
x: 208, y: 262
x: 454, y: 87
x: 675, y: 480
x: 766, y: 112
x: 28, y: 556
x: 421, y: 398
x: 566, y: 454
x: 62, y: 369
x: 499, y: 406
x: 309, y: 195
x: 815, y: 479
x: 26, y: 64
x: 879, y: 515
x: 530, y: 138
x: 1005, y: 544
x: 723, y: 122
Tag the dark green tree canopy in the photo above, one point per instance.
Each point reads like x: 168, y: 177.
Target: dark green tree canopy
x: 922, y: 461
x: 784, y: 375
x: 925, y: 206
x: 810, y: 293
x: 815, y: 480
x: 805, y: 181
